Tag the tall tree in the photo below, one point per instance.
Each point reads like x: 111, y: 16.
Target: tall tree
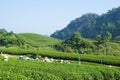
x: 108, y: 36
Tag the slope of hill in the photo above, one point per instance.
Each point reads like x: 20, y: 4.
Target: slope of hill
x: 37, y: 40
x: 90, y: 25
x: 9, y: 39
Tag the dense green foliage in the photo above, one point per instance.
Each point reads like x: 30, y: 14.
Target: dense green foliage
x: 90, y: 25
x: 37, y: 40
x: 15, y: 69
x: 9, y: 38
x: 77, y: 44
x: 113, y: 60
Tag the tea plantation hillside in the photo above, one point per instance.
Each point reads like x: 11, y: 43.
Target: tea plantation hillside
x: 108, y: 59
x: 15, y: 69
x: 37, y: 40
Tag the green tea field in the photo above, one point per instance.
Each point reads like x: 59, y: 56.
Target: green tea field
x: 14, y: 69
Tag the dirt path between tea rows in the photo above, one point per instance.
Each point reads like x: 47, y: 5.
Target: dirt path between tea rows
x: 13, y: 56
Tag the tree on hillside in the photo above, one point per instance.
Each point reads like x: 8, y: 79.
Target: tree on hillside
x: 103, y: 40
x: 75, y: 44
x: 9, y: 38
x: 99, y: 39
x: 108, y: 36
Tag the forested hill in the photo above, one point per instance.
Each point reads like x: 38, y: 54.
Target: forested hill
x: 90, y: 25
x: 9, y: 38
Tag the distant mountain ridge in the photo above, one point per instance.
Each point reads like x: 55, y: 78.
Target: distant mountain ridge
x: 90, y: 25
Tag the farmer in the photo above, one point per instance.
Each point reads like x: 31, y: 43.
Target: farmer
x: 1, y: 52
x: 27, y: 58
x: 61, y: 61
x: 79, y: 61
x: 21, y: 58
x: 102, y: 60
x: 6, y: 58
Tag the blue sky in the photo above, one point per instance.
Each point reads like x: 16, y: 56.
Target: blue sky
x: 46, y: 16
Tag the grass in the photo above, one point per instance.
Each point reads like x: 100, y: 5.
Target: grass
x: 37, y: 40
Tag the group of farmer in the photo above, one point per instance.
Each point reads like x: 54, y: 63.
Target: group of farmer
x: 101, y: 60
x: 28, y: 58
